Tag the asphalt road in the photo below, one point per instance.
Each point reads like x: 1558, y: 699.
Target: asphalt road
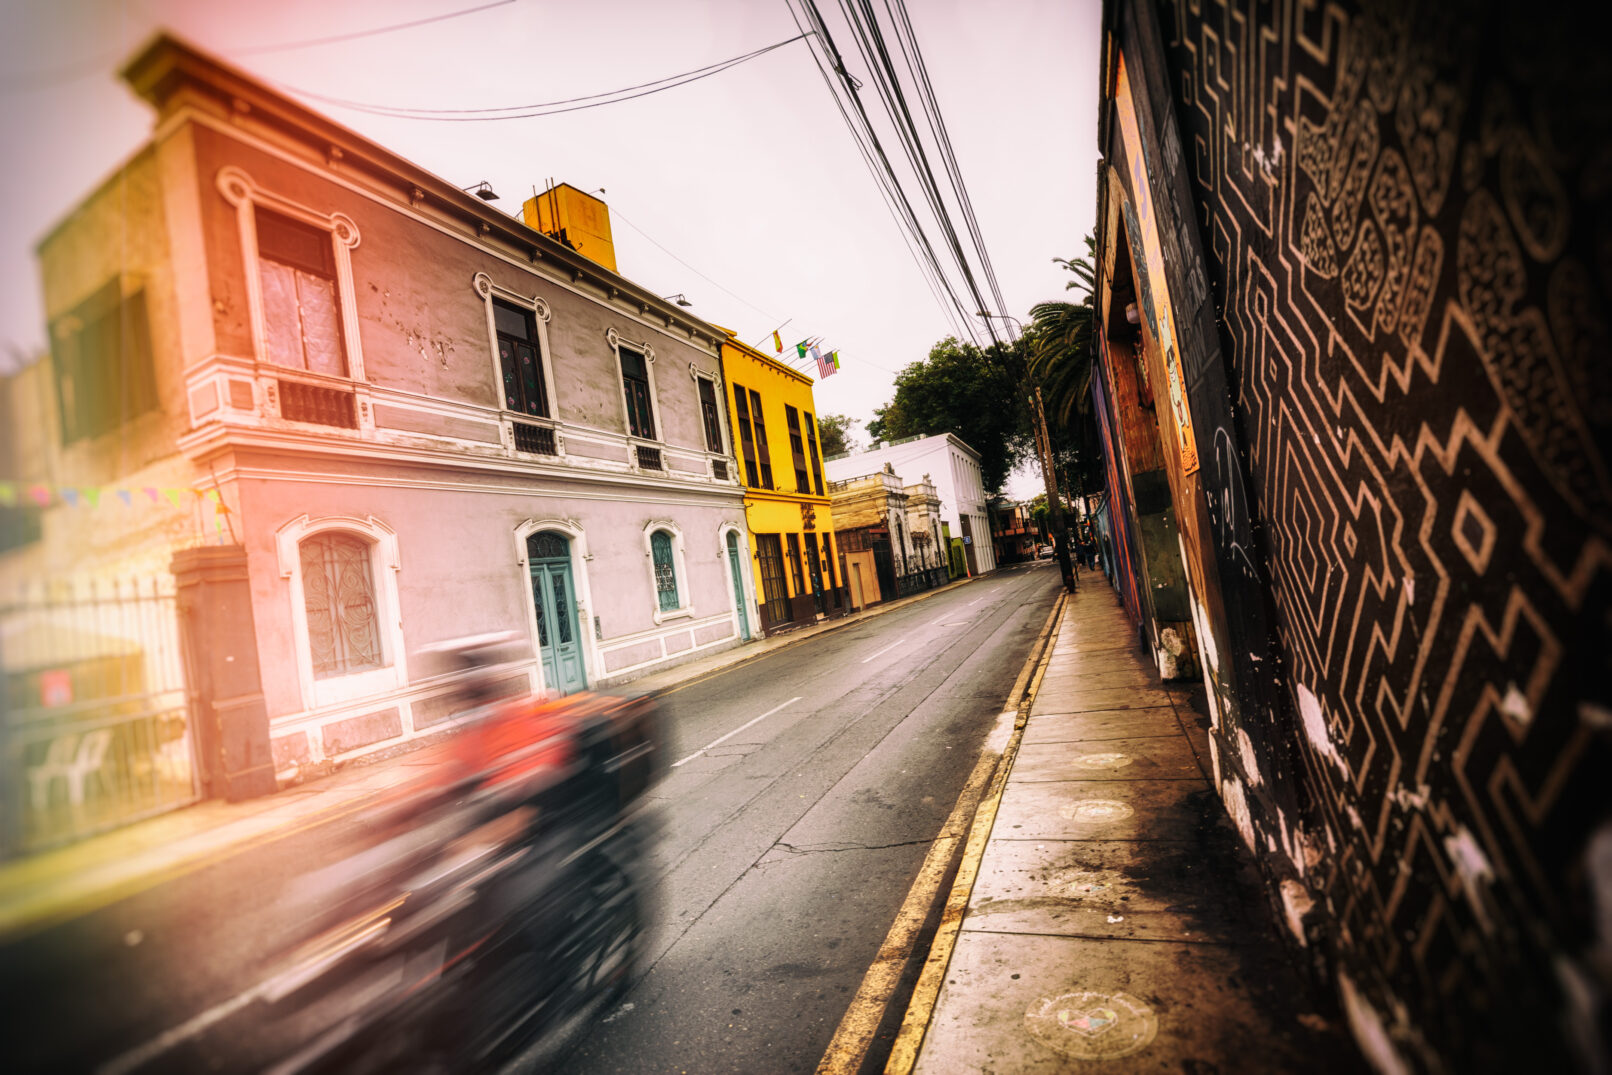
x: 787, y: 848
x: 806, y: 787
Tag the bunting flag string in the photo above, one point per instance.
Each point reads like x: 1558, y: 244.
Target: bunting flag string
x: 41, y: 495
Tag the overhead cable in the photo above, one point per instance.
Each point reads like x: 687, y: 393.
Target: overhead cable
x: 870, y: 42
x: 38, y: 79
x: 546, y: 108
x: 254, y: 50
x: 863, y: 128
x: 906, y: 224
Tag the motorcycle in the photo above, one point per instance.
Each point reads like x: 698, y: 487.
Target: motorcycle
x: 497, y: 906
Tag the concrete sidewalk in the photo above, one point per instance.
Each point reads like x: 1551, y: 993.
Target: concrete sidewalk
x: 45, y: 888
x: 1113, y: 915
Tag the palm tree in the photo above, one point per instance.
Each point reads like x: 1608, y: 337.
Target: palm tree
x: 1060, y: 338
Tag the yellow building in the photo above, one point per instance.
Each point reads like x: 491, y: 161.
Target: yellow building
x: 798, y: 575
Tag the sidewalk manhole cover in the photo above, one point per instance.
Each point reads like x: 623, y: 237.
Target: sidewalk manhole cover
x: 1092, y: 1026
x: 1096, y: 810
x: 1100, y: 761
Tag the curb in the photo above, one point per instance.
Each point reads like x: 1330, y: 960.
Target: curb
x: 921, y: 1008
x: 848, y: 1048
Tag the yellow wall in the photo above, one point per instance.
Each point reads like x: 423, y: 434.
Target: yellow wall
x: 778, y: 510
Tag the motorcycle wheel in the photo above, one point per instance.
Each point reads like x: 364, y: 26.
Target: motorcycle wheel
x: 593, y: 955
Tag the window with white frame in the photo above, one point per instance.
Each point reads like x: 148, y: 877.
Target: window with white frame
x: 635, y: 383
x: 520, y: 359
x: 668, y: 570
x: 301, y: 300
x: 711, y: 415
x: 299, y: 279
x: 338, y: 595
x: 660, y: 545
x: 342, y: 575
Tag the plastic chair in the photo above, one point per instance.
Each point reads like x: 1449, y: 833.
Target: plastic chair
x: 57, y: 760
x: 91, y: 756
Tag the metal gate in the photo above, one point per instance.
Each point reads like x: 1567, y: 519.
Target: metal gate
x: 775, y: 607
x: 96, y: 732
x: 814, y: 570
x: 884, y: 565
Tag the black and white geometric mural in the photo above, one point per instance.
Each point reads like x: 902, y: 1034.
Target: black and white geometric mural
x: 1406, y: 231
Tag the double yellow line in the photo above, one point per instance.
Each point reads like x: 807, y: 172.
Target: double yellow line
x: 971, y: 820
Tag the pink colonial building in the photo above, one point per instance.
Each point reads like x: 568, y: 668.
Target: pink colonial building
x: 393, y: 416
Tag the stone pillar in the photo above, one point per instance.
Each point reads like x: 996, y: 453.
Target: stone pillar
x: 228, y: 714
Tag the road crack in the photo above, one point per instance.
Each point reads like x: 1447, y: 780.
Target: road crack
x: 793, y: 850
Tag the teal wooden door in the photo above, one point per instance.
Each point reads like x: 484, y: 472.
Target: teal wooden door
x: 735, y: 564
x: 559, y: 637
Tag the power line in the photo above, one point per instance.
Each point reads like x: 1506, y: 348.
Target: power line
x: 870, y: 41
x: 884, y: 173
x: 39, y: 79
x: 926, y: 91
x: 254, y: 50
x: 906, y: 225
x: 549, y: 108
x: 617, y: 212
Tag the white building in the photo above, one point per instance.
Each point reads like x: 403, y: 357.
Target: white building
x: 953, y: 467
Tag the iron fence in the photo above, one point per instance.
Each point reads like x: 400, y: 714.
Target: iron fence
x: 96, y: 729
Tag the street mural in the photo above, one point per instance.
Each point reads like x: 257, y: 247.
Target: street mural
x: 1404, y: 222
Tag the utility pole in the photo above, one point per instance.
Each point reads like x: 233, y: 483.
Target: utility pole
x: 1060, y: 530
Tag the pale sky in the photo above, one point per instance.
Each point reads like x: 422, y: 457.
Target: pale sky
x: 749, y: 176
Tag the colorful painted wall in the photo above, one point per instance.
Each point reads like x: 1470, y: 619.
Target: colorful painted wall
x: 1383, y: 235
x: 781, y: 499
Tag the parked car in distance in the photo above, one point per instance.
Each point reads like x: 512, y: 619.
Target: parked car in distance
x: 1043, y: 552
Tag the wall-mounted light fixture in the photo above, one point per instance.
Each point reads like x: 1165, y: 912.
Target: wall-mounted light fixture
x: 482, y: 190
x: 679, y: 298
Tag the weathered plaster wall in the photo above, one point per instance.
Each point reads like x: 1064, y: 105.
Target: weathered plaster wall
x: 459, y: 572
x: 1403, y: 411
x: 422, y: 325
x: 118, y: 232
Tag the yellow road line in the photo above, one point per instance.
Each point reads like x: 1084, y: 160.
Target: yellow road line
x: 861, y: 1020
x: 909, y: 1039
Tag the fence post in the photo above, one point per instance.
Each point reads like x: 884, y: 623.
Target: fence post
x: 219, y: 641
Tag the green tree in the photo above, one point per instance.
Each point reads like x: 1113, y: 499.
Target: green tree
x: 834, y: 433
x: 963, y: 389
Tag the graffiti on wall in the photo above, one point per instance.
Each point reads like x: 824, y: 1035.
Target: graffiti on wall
x: 1152, y: 289
x: 1405, y: 219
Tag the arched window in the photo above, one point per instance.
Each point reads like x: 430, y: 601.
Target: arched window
x: 660, y: 546
x: 338, y: 590
x: 547, y: 545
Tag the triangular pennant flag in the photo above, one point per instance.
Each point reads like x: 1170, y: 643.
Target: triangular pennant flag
x: 70, y: 497
x: 40, y: 494
x: 174, y: 496
x: 93, y: 495
x: 156, y: 497
x: 8, y: 494
x: 127, y: 497
x: 777, y: 341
